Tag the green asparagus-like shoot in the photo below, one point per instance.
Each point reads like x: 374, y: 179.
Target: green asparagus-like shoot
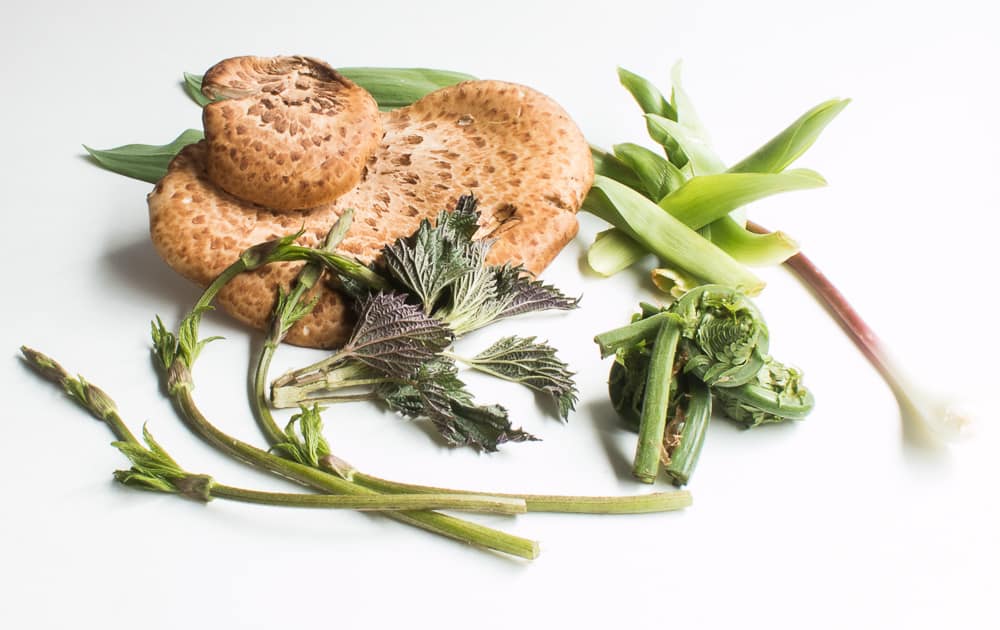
x: 653, y: 421
x: 154, y: 469
x: 683, y: 446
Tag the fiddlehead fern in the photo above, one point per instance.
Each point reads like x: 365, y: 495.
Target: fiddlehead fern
x: 722, y: 353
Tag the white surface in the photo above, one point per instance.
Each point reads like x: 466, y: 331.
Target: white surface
x: 833, y: 522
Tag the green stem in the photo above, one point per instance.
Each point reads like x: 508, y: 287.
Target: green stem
x: 295, y: 395
x: 653, y: 421
x: 307, y: 278
x: 697, y: 414
x: 381, y: 503
x: 315, y: 369
x: 430, y: 521
x: 645, y: 329
x: 641, y: 504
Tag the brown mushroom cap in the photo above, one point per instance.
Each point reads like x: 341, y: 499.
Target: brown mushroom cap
x: 514, y: 148
x: 290, y: 133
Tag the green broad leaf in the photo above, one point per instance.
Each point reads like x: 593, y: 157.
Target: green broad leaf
x: 394, y: 337
x: 613, y: 251
x: 701, y: 158
x: 483, y: 427
x: 749, y: 248
x: 647, y: 95
x: 608, y: 165
x: 192, y: 87
x: 532, y: 364
x: 791, y: 143
x: 475, y: 298
x: 436, y: 393
x: 143, y: 161
x: 657, y: 175
x: 705, y: 198
x: 671, y: 240
x: 391, y: 88
x: 687, y: 117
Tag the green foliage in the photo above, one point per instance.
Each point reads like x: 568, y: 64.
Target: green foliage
x: 304, y: 437
x: 723, y: 348
x: 154, y: 469
x: 394, y: 337
x: 145, y: 162
x: 533, y: 364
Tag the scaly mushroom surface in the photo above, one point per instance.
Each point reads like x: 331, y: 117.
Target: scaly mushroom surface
x: 289, y: 132
x: 514, y: 148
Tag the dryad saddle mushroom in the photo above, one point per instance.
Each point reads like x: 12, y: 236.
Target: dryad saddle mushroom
x: 294, y: 143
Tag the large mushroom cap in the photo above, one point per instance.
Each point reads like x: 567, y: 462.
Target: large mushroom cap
x: 289, y: 132
x: 514, y: 148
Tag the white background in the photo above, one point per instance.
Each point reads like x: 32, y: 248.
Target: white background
x: 833, y: 522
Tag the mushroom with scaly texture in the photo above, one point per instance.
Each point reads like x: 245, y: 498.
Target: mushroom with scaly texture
x: 514, y: 148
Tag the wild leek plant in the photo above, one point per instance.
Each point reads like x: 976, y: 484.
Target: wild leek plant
x: 943, y: 419
x: 690, y: 183
x: 670, y: 362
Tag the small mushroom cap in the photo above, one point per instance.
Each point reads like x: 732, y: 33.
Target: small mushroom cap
x: 290, y: 132
x: 514, y: 148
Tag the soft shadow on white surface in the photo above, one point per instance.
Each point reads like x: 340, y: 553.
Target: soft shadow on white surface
x: 138, y: 269
x: 609, y: 428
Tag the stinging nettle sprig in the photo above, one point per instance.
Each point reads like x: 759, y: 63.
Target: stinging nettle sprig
x: 442, y: 288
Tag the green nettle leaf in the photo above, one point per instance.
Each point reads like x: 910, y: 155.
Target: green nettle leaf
x: 532, y: 364
x: 143, y: 161
x: 437, y: 394
x: 475, y: 299
x: 528, y: 295
x: 427, y: 263
x: 394, y: 337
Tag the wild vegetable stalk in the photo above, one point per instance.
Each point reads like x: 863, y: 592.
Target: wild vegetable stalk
x: 154, y: 469
x: 177, y: 355
x: 721, y: 346
x: 943, y: 419
x: 506, y: 359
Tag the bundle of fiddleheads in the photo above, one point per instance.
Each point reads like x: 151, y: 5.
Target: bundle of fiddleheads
x: 671, y: 362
